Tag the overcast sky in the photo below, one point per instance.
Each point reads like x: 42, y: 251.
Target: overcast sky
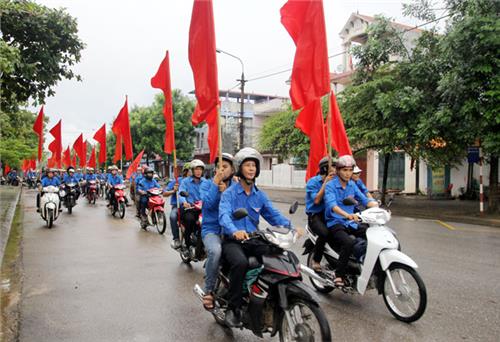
x: 126, y: 41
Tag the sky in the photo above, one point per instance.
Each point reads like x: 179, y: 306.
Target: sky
x: 126, y: 41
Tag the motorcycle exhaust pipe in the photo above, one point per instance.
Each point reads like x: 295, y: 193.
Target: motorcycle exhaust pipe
x: 198, y: 291
x: 311, y: 273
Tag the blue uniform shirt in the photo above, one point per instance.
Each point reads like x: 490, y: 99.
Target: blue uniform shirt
x: 50, y: 181
x: 257, y: 203
x: 78, y: 176
x: 210, y: 195
x: 138, y: 179
x: 89, y: 177
x: 114, y: 180
x: 31, y: 174
x: 335, y: 194
x: 147, y: 184
x: 69, y: 179
x: 170, y: 187
x: 362, y: 187
x: 101, y: 176
x: 192, y: 188
x: 312, y: 188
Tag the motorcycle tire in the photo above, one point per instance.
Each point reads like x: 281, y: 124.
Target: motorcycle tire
x: 122, y: 210
x: 391, y: 306
x: 317, y: 286
x: 50, y: 218
x: 160, y: 222
x: 94, y: 196
x: 70, y: 209
x: 303, y: 329
x: 184, y: 253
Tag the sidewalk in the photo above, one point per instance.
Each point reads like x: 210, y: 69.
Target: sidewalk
x: 9, y: 197
x: 410, y: 206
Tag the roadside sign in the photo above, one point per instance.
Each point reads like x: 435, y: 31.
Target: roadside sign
x: 473, y: 154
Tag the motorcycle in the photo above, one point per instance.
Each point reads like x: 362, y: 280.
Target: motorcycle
x: 118, y: 202
x: 102, y: 188
x: 91, y: 191
x: 31, y: 182
x: 49, y: 205
x: 68, y: 194
x: 195, y: 251
x: 155, y: 211
x: 378, y: 264
x: 276, y: 301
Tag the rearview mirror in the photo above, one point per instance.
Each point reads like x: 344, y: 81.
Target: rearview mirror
x: 293, y: 207
x: 349, y: 201
x: 184, y: 194
x: 240, y: 213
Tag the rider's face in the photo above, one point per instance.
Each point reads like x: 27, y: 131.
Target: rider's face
x: 198, y: 172
x: 227, y: 169
x: 249, y: 169
x: 345, y: 173
x: 114, y: 172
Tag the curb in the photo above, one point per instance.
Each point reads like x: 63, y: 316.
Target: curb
x: 7, y: 224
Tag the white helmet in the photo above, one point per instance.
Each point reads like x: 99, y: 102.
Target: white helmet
x: 247, y: 153
x: 227, y: 157
x: 345, y: 161
x: 356, y: 170
x: 196, y: 163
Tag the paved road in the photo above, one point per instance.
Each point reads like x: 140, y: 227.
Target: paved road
x: 97, y: 278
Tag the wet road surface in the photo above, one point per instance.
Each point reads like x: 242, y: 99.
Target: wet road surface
x: 97, y: 278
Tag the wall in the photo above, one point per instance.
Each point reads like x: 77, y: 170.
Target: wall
x: 283, y: 176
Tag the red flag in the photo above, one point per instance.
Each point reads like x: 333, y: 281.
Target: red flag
x: 118, y: 149
x: 204, y: 65
x: 92, y: 162
x: 161, y: 80
x: 305, y: 22
x: 51, y: 163
x: 100, y: 137
x: 6, y: 170
x: 121, y: 126
x: 56, y: 146
x: 310, y: 122
x: 80, y: 151
x: 38, y: 128
x: 66, y: 159
x: 33, y: 164
x: 340, y: 142
x: 25, y: 165
x: 83, y: 161
x: 133, y: 167
x: 73, y: 159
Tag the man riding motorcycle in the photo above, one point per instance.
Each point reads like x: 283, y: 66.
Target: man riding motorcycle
x: 46, y: 181
x: 70, y: 177
x: 89, y: 176
x: 244, y: 194
x: 315, y: 207
x: 171, y: 191
x: 210, y: 229
x: 78, y: 175
x: 144, y: 185
x: 341, y: 221
x: 113, y: 179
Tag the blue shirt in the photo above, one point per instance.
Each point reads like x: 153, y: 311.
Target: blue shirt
x: 50, y: 181
x: 114, y: 180
x: 138, y: 179
x: 101, y: 176
x: 192, y: 188
x: 69, y: 179
x: 335, y: 194
x: 362, y: 187
x: 170, y: 187
x: 89, y: 177
x: 210, y: 195
x: 31, y: 174
x: 257, y: 203
x: 12, y: 175
x: 78, y: 176
x: 147, y: 184
x: 312, y: 188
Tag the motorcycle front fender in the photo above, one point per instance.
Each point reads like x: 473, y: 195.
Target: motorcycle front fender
x: 295, y: 288
x: 389, y: 256
x: 159, y: 208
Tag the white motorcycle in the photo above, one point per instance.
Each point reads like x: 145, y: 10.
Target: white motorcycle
x: 383, y: 267
x: 49, y: 204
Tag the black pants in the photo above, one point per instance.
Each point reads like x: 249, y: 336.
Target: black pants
x: 318, y: 226
x: 236, y: 254
x: 189, y: 219
x: 343, y: 239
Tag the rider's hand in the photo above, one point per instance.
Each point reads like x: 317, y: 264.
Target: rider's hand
x: 222, y: 186
x: 353, y: 217
x: 329, y: 177
x: 219, y: 173
x: 176, y: 187
x: 186, y: 205
x: 241, y: 235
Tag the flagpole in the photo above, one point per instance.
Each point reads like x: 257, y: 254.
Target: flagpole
x: 219, y: 140
x: 329, y: 130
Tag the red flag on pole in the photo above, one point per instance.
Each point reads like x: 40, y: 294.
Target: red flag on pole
x: 121, y: 126
x: 6, y: 170
x: 340, y: 142
x: 51, y: 163
x: 33, y: 164
x: 204, y: 65
x: 25, y: 165
x: 83, y: 161
x: 134, y: 165
x: 92, y: 160
x: 38, y: 128
x: 161, y: 80
x: 73, y: 159
x: 305, y: 22
x: 118, y: 149
x: 100, y: 137
x: 56, y: 146
x: 80, y: 150
x: 66, y: 159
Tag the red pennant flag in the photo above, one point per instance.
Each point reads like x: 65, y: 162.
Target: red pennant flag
x: 25, y: 165
x: 121, y: 126
x: 118, y: 149
x: 162, y: 81
x: 6, y: 170
x: 100, y: 137
x: 56, y: 146
x: 204, y: 65
x: 80, y: 151
x: 92, y: 161
x: 305, y: 22
x: 133, y: 167
x: 83, y: 161
x: 38, y: 128
x: 33, y: 164
x: 340, y: 142
x: 66, y: 159
x: 310, y: 122
x: 73, y: 159
x: 51, y: 163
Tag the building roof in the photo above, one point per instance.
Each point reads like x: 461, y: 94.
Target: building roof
x: 371, y: 19
x: 234, y: 94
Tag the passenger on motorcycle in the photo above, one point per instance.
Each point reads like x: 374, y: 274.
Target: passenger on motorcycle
x: 356, y: 174
x: 340, y: 218
x: 46, y: 181
x: 113, y: 179
x: 133, y: 183
x: 244, y: 194
x: 210, y: 229
x: 315, y: 207
x: 191, y: 185
x: 171, y: 191
x: 12, y: 176
x: 144, y: 185
x: 79, y: 175
x: 89, y: 176
x: 70, y: 177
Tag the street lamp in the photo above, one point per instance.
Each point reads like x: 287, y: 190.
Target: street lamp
x: 242, y: 96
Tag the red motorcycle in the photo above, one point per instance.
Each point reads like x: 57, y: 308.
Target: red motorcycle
x: 155, y: 211
x: 118, y: 202
x: 91, y: 191
x: 195, y: 251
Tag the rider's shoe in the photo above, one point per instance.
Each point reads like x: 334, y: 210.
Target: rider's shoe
x: 175, y: 244
x: 37, y: 210
x: 232, y: 319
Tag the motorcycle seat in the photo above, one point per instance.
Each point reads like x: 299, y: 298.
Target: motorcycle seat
x: 253, y: 262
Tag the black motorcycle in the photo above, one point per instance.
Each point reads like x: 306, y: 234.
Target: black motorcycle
x: 69, y: 194
x: 276, y: 300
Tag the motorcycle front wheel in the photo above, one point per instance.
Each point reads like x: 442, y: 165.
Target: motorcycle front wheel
x: 409, y: 305
x: 122, y: 210
x: 160, y: 222
x: 304, y: 321
x: 50, y: 218
x: 70, y: 209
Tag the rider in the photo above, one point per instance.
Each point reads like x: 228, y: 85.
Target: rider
x: 89, y: 176
x: 171, y: 190
x: 210, y: 229
x: 113, y: 179
x: 340, y: 218
x: 244, y: 194
x: 78, y: 175
x: 46, y: 181
x: 133, y: 184
x: 70, y: 177
x: 315, y: 207
x: 12, y: 176
x: 146, y: 183
x: 191, y: 185
x: 356, y: 174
